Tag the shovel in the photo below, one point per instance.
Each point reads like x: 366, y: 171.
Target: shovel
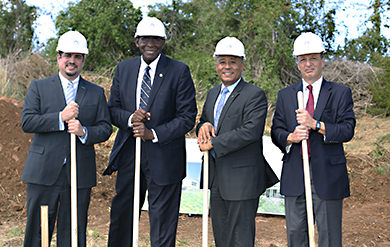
x: 136, y: 190
x: 205, y: 213
x: 73, y: 187
x: 306, y: 171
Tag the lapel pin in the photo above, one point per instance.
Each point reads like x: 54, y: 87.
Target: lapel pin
x: 161, y: 75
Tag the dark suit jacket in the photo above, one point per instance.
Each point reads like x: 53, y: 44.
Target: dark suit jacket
x: 328, y: 162
x: 173, y: 110
x: 243, y: 172
x: 43, y: 102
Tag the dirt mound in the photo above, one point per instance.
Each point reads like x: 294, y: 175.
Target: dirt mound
x: 366, y: 217
x: 14, y: 145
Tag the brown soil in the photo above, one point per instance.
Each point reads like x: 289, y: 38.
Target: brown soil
x: 366, y: 220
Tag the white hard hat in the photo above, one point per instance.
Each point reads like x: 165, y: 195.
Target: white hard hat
x: 72, y: 42
x: 150, y: 26
x: 230, y: 46
x: 308, y: 43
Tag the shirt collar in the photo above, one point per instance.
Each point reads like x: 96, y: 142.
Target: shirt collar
x: 231, y: 87
x: 152, y: 65
x: 65, y: 81
x: 316, y: 85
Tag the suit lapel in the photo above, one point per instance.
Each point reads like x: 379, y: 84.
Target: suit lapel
x: 159, y: 77
x: 297, y: 87
x: 58, y: 90
x: 323, y: 97
x: 130, y: 86
x: 213, y: 99
x: 81, y: 90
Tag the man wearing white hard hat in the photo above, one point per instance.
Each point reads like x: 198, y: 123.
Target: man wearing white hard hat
x: 152, y: 97
x: 326, y: 123
x: 231, y: 127
x: 54, y: 108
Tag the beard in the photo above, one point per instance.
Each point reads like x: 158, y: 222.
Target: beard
x: 70, y: 74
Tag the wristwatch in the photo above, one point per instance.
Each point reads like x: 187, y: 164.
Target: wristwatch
x: 318, y: 126
x: 84, y: 133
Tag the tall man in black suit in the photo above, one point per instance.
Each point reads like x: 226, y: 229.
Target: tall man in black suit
x: 239, y: 173
x: 161, y: 115
x: 53, y: 109
x: 332, y: 124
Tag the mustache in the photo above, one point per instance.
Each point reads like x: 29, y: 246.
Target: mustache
x: 73, y: 64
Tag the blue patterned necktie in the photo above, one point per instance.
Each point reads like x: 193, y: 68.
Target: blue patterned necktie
x: 69, y: 93
x: 220, y: 105
x: 146, y: 87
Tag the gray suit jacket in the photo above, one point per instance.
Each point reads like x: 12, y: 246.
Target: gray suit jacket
x: 50, y: 146
x: 243, y: 171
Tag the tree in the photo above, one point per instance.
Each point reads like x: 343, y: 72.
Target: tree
x: 313, y: 16
x: 16, y: 20
x: 191, y: 38
x: 371, y: 46
x: 264, y: 27
x: 109, y: 27
x: 380, y: 91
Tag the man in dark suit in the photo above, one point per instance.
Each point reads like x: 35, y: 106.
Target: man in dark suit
x: 332, y: 123
x: 231, y: 127
x: 161, y: 115
x: 53, y: 109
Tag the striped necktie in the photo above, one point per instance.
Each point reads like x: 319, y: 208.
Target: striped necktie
x: 146, y: 87
x: 69, y: 93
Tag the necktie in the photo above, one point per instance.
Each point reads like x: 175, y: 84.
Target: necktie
x: 220, y: 104
x: 310, y: 109
x: 310, y: 101
x: 69, y: 93
x: 146, y: 87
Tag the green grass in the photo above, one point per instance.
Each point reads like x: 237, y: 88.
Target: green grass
x: 380, y: 155
x: 184, y: 242
x: 93, y: 233
x: 382, y: 170
x: 15, y: 232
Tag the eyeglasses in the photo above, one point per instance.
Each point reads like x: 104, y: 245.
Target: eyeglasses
x: 146, y: 40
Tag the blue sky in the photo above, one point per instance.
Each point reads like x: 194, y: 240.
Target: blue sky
x: 350, y: 22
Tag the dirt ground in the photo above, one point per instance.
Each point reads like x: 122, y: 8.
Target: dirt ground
x: 366, y: 219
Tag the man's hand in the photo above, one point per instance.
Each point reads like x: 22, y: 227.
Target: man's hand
x: 75, y: 127
x: 205, y: 146
x: 71, y: 111
x: 140, y: 115
x: 304, y: 118
x: 300, y: 133
x: 206, y: 133
x: 140, y: 130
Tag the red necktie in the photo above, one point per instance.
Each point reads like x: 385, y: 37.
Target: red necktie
x: 310, y: 109
x: 310, y: 101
